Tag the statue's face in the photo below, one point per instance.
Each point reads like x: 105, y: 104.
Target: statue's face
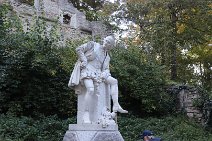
x: 108, y: 43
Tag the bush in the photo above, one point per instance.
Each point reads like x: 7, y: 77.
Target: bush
x: 34, y: 79
x: 27, y: 129
x: 51, y: 128
x: 34, y: 73
x: 171, y: 128
x: 141, y: 83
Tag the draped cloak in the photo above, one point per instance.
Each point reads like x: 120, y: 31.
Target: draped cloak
x: 97, y: 63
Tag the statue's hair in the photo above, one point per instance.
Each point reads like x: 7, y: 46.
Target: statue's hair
x: 111, y: 39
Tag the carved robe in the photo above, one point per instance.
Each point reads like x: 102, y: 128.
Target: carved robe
x: 97, y: 69
x: 97, y: 64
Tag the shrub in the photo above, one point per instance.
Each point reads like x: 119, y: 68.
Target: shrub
x: 34, y: 75
x: 34, y: 79
x: 141, y: 83
x: 27, y: 129
x: 171, y: 128
x: 51, y: 128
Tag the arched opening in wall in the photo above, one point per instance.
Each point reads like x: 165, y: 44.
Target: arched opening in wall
x: 86, y: 31
x: 66, y: 19
x: 29, y: 2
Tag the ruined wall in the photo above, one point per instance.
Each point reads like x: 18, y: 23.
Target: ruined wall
x: 187, y: 97
x: 2, y: 1
x: 72, y: 23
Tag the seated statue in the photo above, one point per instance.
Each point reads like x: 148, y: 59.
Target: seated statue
x: 91, y: 69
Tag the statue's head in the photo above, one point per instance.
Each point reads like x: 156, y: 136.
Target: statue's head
x: 109, y: 42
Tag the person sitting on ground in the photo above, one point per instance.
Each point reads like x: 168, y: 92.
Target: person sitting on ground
x: 147, y: 135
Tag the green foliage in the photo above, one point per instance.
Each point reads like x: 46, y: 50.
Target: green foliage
x: 51, y: 128
x: 197, y: 65
x: 34, y: 73
x: 177, y: 128
x: 170, y: 26
x: 28, y: 129
x: 203, y: 99
x: 89, y: 7
x: 141, y: 83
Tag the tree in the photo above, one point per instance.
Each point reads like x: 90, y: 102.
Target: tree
x: 86, y: 4
x: 90, y: 7
x: 141, y: 84
x: 198, y: 66
x: 170, y: 26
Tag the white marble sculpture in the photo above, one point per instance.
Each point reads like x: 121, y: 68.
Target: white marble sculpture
x: 90, y: 72
x: 95, y: 87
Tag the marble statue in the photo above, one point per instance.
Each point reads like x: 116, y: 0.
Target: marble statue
x: 91, y: 69
x: 95, y: 87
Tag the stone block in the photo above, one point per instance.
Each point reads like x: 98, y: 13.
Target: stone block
x: 92, y: 132
x: 192, y: 110
x: 93, y: 136
x: 190, y: 115
x: 92, y: 127
x: 108, y: 136
x: 197, y: 115
x: 70, y: 136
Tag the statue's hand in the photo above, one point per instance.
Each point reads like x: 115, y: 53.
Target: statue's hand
x: 104, y: 75
x: 83, y: 64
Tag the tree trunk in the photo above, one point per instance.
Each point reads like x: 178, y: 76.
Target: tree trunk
x: 173, y: 62
x: 173, y: 46
x: 207, y: 75
x: 163, y: 60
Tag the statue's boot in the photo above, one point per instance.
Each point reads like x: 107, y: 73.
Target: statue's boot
x: 116, y: 105
x: 118, y: 108
x: 86, y: 117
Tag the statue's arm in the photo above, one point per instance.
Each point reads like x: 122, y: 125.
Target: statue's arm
x: 106, y: 71
x: 81, y: 50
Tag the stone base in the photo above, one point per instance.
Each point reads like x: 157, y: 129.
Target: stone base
x: 92, y: 133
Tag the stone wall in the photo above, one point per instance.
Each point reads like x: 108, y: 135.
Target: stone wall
x: 187, y: 96
x: 71, y: 22
x: 2, y: 1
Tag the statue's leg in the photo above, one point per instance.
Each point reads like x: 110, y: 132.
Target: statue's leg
x: 89, y: 91
x: 114, y: 93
